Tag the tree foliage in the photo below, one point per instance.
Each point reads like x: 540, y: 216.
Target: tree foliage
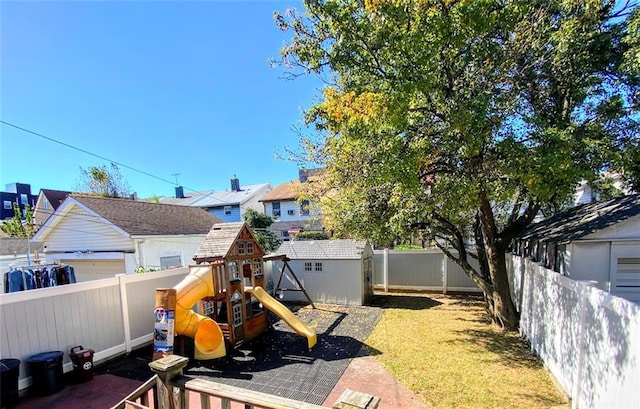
x: 465, y: 118
x: 16, y: 227
x: 259, y: 224
x: 103, y: 181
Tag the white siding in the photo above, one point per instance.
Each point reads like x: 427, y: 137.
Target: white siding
x: 590, y: 261
x: 79, y: 231
x: 150, y: 249
x: 285, y: 206
x: 627, y: 229
x: 254, y: 203
x: 339, y: 282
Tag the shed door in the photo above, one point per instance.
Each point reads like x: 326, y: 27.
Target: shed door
x: 625, y: 280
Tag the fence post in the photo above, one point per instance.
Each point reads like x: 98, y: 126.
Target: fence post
x: 167, y: 369
x: 445, y: 273
x: 125, y: 311
x: 385, y: 269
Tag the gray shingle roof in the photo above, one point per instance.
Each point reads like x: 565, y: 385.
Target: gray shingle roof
x: 146, y: 218
x: 209, y: 198
x: 220, y: 239
x: 583, y: 220
x: 322, y: 249
x: 13, y: 246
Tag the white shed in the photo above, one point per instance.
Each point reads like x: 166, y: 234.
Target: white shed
x: 596, y: 242
x: 331, y: 271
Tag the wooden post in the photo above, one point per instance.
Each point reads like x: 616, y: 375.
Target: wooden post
x: 168, y: 368
x: 356, y: 400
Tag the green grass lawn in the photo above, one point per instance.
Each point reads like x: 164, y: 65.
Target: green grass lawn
x: 444, y: 349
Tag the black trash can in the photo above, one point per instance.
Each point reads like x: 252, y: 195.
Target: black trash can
x: 9, y: 373
x: 82, y: 360
x: 46, y: 373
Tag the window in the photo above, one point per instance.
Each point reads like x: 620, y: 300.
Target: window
x: 318, y: 266
x: 170, y: 262
x: 45, y: 204
x: 275, y: 209
x: 307, y: 267
x: 237, y: 315
x: 257, y: 266
x: 241, y: 247
x: 304, y: 208
x: 233, y: 270
x: 249, y: 247
x: 7, y: 205
x: 291, y: 212
x: 24, y: 199
x: 227, y: 210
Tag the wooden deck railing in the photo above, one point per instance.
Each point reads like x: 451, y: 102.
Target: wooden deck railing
x: 170, y: 389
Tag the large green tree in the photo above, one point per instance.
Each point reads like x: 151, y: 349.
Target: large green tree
x: 465, y: 118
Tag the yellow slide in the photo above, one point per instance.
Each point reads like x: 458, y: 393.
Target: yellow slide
x: 207, y: 335
x: 283, y: 312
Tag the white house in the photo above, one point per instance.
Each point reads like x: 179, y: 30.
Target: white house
x: 290, y: 214
x: 596, y: 242
x: 331, y: 271
x: 101, y: 237
x: 227, y: 205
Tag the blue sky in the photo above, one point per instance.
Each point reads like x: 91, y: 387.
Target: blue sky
x: 164, y: 87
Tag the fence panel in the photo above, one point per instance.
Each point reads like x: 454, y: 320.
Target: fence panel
x: 88, y: 314
x: 588, y: 338
x: 421, y: 270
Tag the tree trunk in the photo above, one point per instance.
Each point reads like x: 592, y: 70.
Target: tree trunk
x: 504, y: 312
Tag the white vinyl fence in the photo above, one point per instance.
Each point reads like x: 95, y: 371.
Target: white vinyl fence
x: 588, y: 338
x: 420, y: 270
x: 111, y: 316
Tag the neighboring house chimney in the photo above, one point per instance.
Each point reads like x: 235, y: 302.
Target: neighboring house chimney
x: 133, y: 196
x: 235, y: 184
x: 179, y: 192
x: 303, y: 175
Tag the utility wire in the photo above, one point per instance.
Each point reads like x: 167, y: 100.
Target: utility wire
x: 112, y: 161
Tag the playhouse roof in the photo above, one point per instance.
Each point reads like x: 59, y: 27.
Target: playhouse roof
x: 220, y: 239
x: 322, y: 249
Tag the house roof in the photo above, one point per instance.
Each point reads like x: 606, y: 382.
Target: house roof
x: 209, y: 198
x: 147, y: 218
x: 322, y: 249
x: 55, y: 197
x: 583, y: 220
x: 13, y: 246
x: 284, y: 191
x: 220, y: 239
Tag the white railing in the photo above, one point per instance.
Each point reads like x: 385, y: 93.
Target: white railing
x: 420, y: 270
x: 110, y: 316
x: 588, y: 338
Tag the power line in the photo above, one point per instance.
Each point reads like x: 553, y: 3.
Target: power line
x: 115, y: 162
